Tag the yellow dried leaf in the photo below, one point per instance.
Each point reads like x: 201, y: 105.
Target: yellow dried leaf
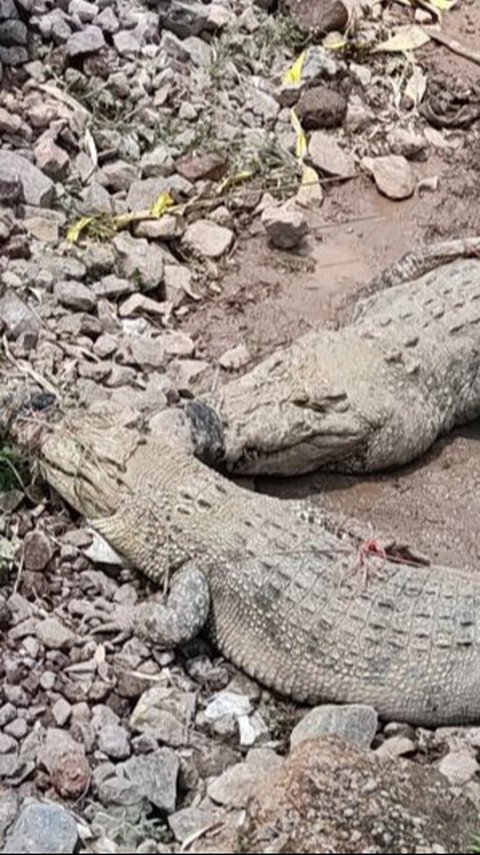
x: 406, y: 38
x: 334, y: 41
x: 301, y: 144
x: 75, y: 231
x: 161, y: 204
x: 310, y: 192
x: 293, y: 77
x: 309, y: 176
x: 232, y: 180
x: 443, y: 5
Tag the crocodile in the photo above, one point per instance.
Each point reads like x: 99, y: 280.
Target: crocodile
x: 275, y: 583
x: 375, y: 393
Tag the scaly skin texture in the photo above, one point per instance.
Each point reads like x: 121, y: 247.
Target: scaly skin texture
x: 276, y: 578
x: 369, y: 396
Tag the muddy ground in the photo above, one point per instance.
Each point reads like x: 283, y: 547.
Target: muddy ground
x: 269, y: 298
x: 72, y: 695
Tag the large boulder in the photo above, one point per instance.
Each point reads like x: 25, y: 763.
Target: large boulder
x: 330, y: 796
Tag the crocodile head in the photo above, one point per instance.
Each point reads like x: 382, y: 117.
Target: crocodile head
x: 295, y: 436
x: 83, y: 458
x: 308, y: 406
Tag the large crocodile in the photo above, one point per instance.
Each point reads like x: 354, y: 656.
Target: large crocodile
x: 279, y: 587
x: 373, y: 394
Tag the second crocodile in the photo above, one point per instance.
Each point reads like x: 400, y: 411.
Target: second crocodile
x: 371, y: 395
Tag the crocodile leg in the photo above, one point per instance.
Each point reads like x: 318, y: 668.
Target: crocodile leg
x: 181, y: 617
x: 167, y: 621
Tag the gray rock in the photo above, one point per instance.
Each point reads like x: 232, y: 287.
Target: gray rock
x: 144, y: 193
x: 228, y: 703
x: 142, y: 351
x: 164, y: 714
x: 252, y: 729
x: 392, y: 174
x: 285, y: 226
x: 118, y: 175
x: 37, y: 188
x: 8, y: 765
x: 18, y: 728
x: 327, y: 155
x: 43, y: 228
x: 233, y: 788
x: 54, y: 634
x: 165, y: 228
x: 120, y: 791
x: 155, y: 775
x: 198, y: 50
x: 61, y: 711
x: 7, y: 714
x: 139, y: 260
x: 16, y: 316
x: 113, y: 740
x: 54, y: 26
x: 459, y: 767
x: 13, y: 55
x: 127, y: 43
x: 397, y: 746
x: 13, y: 33
x: 208, y: 239
x: 7, y: 744
x: 157, y: 163
x: 99, y: 259
x: 107, y: 21
x: 86, y: 41
x: 103, y: 717
x: 7, y: 10
x: 183, y: 17
x: 178, y: 283
x: 111, y: 287
x: 42, y: 828
x: 119, y: 84
x: 186, y: 822
x: 10, y: 123
x: 190, y: 374
x: 84, y: 10
x: 51, y: 158
x: 139, y: 304
x: 356, y: 724
x: 74, y: 295
x: 96, y: 199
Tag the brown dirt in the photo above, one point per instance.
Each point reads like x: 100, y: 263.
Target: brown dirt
x: 269, y: 298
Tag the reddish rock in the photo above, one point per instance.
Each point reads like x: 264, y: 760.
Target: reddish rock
x: 37, y: 551
x: 196, y: 166
x: 71, y: 776
x: 321, y: 107
x: 318, y: 16
x: 332, y: 797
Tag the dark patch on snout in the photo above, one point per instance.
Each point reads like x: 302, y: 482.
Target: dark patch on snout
x: 207, y: 433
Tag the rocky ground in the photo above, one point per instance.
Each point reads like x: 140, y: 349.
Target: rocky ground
x: 258, y: 231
